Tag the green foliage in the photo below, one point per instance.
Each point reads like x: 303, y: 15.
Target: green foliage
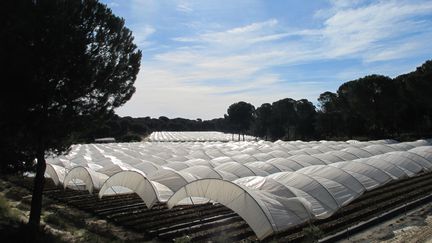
x: 130, y: 138
x: 261, y: 126
x: 12, y: 159
x: 312, y: 233
x: 55, y: 221
x: 286, y: 119
x: 241, y: 116
x: 74, y: 217
x: 5, y: 210
x: 183, y: 239
x: 376, y: 106
x: 68, y: 64
x: 16, y: 193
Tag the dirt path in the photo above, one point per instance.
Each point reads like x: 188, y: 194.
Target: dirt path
x: 414, y: 234
x: 413, y: 227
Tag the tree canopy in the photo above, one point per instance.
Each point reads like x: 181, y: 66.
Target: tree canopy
x: 67, y: 64
x: 240, y: 116
x: 377, y: 106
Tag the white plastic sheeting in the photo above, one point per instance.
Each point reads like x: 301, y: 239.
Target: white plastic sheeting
x: 322, y: 188
x: 267, y: 167
x: 149, y: 191
x: 322, y: 202
x: 56, y: 173
x: 171, y: 178
x: 201, y: 171
x: 264, y: 212
x: 240, y: 170
x: 146, y: 167
x: 335, y: 174
x: 370, y: 176
x: 194, y: 136
x: 423, y: 151
x: 356, y: 153
x: 91, y: 179
x: 285, y: 183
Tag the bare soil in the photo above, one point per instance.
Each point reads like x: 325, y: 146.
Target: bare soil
x: 413, y: 227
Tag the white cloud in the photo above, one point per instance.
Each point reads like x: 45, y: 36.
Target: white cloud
x: 184, y: 7
x: 142, y: 34
x: 400, y: 49
x: 354, y: 31
x: 252, y: 33
x: 209, y: 70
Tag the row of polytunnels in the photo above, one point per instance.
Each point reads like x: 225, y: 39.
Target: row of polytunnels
x: 272, y: 186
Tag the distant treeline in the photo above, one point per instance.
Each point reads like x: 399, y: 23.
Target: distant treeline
x: 126, y: 129
x: 371, y: 107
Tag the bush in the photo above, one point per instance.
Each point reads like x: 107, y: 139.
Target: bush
x: 55, y: 221
x: 312, y: 233
x: 130, y: 138
x: 183, y: 239
x: 5, y: 210
x: 16, y: 193
x: 74, y: 217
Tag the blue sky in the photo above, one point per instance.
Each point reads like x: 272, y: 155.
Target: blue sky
x: 200, y: 56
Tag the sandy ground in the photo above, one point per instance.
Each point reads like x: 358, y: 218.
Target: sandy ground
x: 415, y: 226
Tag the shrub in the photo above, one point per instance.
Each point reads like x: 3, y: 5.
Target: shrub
x: 183, y: 239
x: 5, y: 210
x: 55, y: 221
x: 312, y: 233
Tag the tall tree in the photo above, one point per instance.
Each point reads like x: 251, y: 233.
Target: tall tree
x: 67, y: 64
x: 328, y: 102
x: 415, y: 99
x: 241, y: 115
x: 263, y: 120
x: 306, y: 115
x: 284, y: 119
x: 368, y: 99
x: 329, y: 122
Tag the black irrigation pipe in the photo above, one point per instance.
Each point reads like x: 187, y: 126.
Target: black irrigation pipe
x: 148, y: 214
x: 185, y: 225
x: 179, y: 229
x: 231, y: 233
x: 199, y: 228
x: 163, y: 221
x: 122, y: 209
x: 187, y: 218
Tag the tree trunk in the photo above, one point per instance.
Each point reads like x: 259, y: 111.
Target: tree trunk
x: 239, y: 136
x: 243, y: 137
x: 38, y: 185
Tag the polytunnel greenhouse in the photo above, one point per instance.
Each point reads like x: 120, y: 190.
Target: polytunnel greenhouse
x: 273, y: 187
